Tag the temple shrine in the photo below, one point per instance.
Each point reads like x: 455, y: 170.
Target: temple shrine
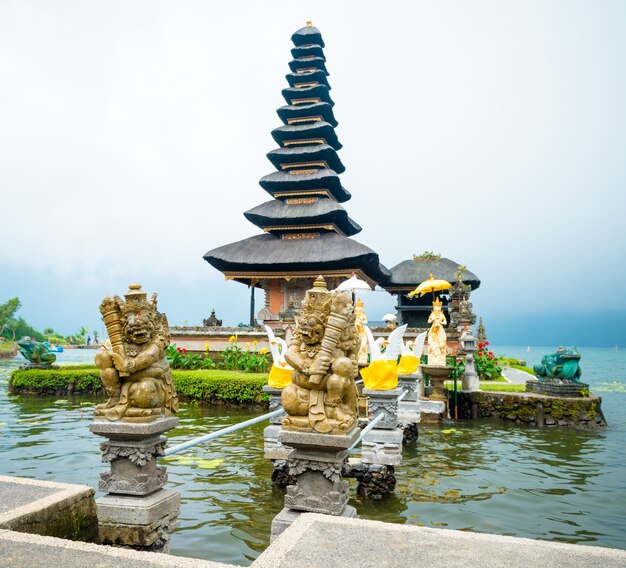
x: 307, y: 230
x: 409, y: 274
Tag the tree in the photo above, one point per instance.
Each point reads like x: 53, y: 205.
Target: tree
x: 7, y: 311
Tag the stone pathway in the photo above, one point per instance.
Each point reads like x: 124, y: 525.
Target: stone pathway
x: 515, y: 375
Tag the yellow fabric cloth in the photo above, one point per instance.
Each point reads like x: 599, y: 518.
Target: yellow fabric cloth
x: 279, y: 378
x: 380, y: 375
x: 408, y: 365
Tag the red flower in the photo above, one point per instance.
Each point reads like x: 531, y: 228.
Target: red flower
x: 480, y: 346
x: 480, y: 353
x: 184, y: 350
x: 486, y: 343
x: 495, y: 362
x: 178, y: 349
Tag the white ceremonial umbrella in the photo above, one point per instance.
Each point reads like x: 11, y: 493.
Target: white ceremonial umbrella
x: 390, y: 317
x: 353, y: 283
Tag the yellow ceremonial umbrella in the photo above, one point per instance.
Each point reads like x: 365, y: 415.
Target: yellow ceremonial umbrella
x: 430, y: 285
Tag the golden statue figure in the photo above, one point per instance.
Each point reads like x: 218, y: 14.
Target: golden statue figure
x: 135, y: 373
x: 361, y: 322
x: 437, y: 336
x: 323, y: 352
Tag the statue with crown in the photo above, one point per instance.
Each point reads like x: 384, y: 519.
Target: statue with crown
x: 134, y: 371
x: 323, y: 352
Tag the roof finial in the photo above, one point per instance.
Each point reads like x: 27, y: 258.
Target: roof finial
x: 309, y: 24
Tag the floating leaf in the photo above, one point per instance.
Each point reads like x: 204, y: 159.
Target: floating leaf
x: 449, y: 431
x: 202, y: 463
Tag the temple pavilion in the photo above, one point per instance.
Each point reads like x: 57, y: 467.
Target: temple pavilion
x: 409, y: 274
x: 306, y: 229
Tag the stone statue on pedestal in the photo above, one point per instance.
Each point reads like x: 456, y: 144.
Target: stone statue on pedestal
x: 37, y: 354
x: 135, y: 372
x: 323, y: 352
x: 437, y: 343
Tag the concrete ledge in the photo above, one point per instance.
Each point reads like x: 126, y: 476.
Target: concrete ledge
x: 36, y: 551
x: 319, y: 541
x: 47, y: 508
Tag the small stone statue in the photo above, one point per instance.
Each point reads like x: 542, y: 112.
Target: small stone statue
x: 135, y: 373
x: 562, y: 365
x: 37, y: 354
x: 323, y: 352
x: 437, y: 341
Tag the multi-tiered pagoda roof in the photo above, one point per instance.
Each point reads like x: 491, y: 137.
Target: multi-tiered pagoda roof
x: 306, y: 228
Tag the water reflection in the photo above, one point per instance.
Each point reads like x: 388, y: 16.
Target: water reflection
x: 549, y: 484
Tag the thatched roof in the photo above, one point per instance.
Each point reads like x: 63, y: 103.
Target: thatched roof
x: 304, y: 63
x: 321, y: 130
x: 271, y: 254
x: 311, y: 77
x: 307, y: 35
x: 323, y: 110
x: 321, y: 179
x: 410, y: 273
x: 321, y: 92
x: 297, y: 154
x: 308, y: 51
x: 324, y: 211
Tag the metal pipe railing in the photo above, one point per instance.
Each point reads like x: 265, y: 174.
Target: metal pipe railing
x: 366, y: 430
x: 208, y: 437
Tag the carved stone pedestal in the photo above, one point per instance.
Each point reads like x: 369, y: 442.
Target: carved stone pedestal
x: 470, y: 377
x: 137, y: 512
x: 274, y: 395
x: 273, y: 449
x: 381, y: 446
x: 437, y: 375
x: 316, y: 462
x: 409, y: 408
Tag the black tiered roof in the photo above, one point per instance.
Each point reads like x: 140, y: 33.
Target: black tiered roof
x: 307, y: 228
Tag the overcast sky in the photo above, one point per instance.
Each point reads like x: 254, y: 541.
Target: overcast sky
x: 133, y: 135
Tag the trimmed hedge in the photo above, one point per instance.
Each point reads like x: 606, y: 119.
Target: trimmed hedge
x: 56, y: 381
x: 217, y: 386
x: 210, y: 386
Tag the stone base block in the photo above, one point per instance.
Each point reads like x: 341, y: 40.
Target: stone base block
x: 409, y: 412
x: 433, y: 411
x: 48, y: 508
x: 286, y: 517
x: 470, y: 383
x: 273, y: 449
x: 313, y: 441
x: 383, y: 447
x: 138, y: 522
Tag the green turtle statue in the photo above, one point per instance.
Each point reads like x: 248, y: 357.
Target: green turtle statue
x: 562, y: 365
x: 37, y: 354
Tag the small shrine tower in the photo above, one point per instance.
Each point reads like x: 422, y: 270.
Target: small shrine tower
x: 306, y: 229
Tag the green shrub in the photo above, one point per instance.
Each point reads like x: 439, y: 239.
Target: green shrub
x: 201, y: 385
x: 219, y: 385
x: 42, y: 381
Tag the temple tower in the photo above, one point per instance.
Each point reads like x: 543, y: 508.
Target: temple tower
x: 306, y: 228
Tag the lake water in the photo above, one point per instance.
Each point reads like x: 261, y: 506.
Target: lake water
x: 486, y: 476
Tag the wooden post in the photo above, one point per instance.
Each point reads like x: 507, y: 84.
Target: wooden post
x: 251, y: 305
